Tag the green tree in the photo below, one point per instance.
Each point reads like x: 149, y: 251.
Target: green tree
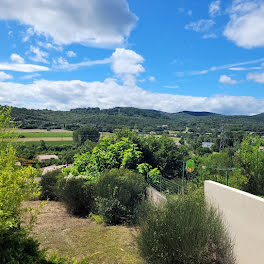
x: 87, y: 132
x: 107, y: 155
x: 16, y: 184
x: 162, y: 153
x: 43, y: 145
x: 250, y: 159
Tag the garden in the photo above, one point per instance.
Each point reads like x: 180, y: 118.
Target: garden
x: 106, y: 188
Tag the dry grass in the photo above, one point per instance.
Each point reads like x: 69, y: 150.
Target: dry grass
x: 58, y: 231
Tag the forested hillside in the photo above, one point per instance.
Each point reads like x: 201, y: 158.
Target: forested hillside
x: 142, y: 119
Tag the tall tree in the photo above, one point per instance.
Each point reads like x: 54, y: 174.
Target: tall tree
x: 87, y: 132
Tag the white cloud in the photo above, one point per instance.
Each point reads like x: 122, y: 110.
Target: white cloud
x: 21, y: 67
x: 246, y: 25
x: 100, y: 23
x: 49, y: 46
x: 4, y: 76
x: 208, y: 36
x: 189, y: 13
x: 28, y: 34
x: 62, y: 64
x: 71, y: 54
x: 40, y: 56
x: 126, y: 64
x: 172, y: 86
x: 226, y: 80
x: 245, y: 68
x: 126, y: 61
x: 16, y: 58
x: 202, y: 25
x: 107, y: 94
x: 232, y: 66
x: 256, y: 77
x: 152, y: 79
x: 30, y: 76
x: 214, y: 8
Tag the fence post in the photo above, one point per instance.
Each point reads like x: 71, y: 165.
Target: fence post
x: 183, y: 174
x: 227, y: 177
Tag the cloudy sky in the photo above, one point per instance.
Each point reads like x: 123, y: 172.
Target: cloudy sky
x: 166, y: 55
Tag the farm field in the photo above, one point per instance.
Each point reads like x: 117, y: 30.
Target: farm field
x: 44, y: 138
x: 44, y: 134
x: 58, y: 231
x: 49, y: 143
x: 55, y: 135
x: 35, y: 135
x: 23, y: 130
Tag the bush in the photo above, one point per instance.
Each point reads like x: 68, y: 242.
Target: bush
x: 119, y: 192
x: 77, y: 193
x: 49, y: 185
x: 17, y: 247
x: 185, y: 231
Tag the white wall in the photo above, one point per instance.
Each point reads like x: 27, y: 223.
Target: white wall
x: 155, y: 197
x: 244, y: 214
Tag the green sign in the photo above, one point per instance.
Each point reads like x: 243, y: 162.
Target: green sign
x: 190, y: 166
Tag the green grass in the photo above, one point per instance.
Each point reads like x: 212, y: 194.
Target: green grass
x: 49, y: 143
x: 176, y: 139
x: 44, y: 134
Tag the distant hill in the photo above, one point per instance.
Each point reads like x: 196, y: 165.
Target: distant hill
x: 197, y: 113
x: 144, y: 120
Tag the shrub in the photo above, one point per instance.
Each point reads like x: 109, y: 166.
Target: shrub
x: 17, y: 247
x: 119, y: 192
x: 185, y: 231
x: 77, y: 193
x: 49, y: 185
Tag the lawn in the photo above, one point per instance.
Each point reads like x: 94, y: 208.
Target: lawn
x: 176, y: 139
x: 50, y: 143
x: 43, y: 134
x: 58, y: 231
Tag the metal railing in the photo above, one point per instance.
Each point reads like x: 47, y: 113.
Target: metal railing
x: 166, y: 186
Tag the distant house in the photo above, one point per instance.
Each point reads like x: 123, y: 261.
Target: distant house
x: 207, y: 144
x: 42, y: 158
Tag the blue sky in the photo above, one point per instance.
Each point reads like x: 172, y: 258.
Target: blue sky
x: 165, y: 55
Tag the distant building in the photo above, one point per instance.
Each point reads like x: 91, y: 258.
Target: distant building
x: 207, y: 144
x: 54, y: 167
x: 42, y: 158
